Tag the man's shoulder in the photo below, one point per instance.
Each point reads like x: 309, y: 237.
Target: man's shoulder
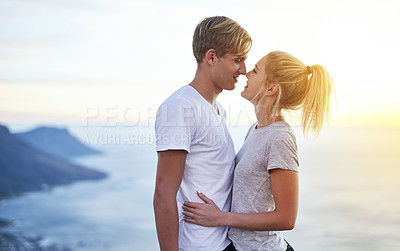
x: 186, y: 97
x: 182, y: 95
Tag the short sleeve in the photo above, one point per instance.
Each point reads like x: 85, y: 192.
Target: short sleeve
x: 175, y: 125
x: 282, y: 152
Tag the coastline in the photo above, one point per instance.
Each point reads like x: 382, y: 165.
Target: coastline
x: 15, y: 241
x: 10, y: 240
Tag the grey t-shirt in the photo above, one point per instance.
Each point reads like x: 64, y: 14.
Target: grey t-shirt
x: 270, y: 147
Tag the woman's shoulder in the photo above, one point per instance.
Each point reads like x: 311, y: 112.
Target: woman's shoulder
x: 282, y: 134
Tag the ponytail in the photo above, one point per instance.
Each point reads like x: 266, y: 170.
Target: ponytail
x: 299, y: 91
x: 316, y: 106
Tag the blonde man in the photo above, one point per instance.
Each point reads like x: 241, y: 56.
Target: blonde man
x: 195, y: 150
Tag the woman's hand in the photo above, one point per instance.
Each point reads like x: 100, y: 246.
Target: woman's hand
x: 205, y: 214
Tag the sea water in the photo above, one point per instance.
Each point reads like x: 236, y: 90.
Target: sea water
x: 349, y: 193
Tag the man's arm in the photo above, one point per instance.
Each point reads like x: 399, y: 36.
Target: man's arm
x: 170, y: 168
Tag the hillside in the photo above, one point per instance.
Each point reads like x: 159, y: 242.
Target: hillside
x: 24, y: 168
x: 55, y: 141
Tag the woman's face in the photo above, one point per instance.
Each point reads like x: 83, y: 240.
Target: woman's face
x: 254, y: 90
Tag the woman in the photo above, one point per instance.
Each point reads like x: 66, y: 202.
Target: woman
x: 265, y: 185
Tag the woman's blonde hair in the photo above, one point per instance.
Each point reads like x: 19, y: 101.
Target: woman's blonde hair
x: 300, y: 87
x: 222, y: 34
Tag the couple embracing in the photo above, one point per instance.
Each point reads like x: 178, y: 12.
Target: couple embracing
x: 208, y: 199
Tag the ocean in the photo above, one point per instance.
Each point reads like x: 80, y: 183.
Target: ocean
x: 349, y: 193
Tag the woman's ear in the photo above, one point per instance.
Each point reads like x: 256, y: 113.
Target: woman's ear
x: 272, y: 89
x: 210, y: 56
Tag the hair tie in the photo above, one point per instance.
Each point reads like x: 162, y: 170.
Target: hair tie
x: 308, y: 70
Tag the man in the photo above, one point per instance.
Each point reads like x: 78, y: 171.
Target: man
x: 195, y: 150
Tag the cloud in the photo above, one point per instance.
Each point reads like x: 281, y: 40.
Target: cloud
x: 24, y: 46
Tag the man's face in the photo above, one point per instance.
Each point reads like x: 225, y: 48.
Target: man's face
x: 227, y: 69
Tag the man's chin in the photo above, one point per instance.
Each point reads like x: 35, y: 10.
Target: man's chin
x: 230, y: 88
x: 244, y: 96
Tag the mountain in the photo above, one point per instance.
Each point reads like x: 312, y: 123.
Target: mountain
x: 55, y: 141
x: 24, y: 168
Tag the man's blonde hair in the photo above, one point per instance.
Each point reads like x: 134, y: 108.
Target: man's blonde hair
x: 222, y: 34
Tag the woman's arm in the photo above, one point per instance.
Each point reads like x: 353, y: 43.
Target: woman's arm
x: 285, y: 188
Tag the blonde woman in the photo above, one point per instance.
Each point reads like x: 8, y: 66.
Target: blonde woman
x: 265, y: 187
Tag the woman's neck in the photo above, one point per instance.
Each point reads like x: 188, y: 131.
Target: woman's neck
x: 265, y: 115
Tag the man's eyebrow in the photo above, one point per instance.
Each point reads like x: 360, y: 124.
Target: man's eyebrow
x: 242, y: 56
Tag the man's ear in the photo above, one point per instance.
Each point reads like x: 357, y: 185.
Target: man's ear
x: 210, y: 56
x: 272, y: 89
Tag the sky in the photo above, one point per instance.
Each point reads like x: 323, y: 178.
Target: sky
x: 87, y: 62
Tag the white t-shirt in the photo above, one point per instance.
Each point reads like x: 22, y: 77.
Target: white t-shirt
x: 187, y: 121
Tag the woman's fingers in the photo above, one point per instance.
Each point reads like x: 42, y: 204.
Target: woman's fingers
x: 198, y: 205
x: 190, y: 220
x: 192, y: 204
x: 188, y: 214
x: 188, y: 209
x: 189, y: 217
x: 205, y: 198
x: 200, y: 215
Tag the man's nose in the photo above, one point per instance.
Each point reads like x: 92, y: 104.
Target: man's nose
x: 242, y: 69
x: 247, y: 74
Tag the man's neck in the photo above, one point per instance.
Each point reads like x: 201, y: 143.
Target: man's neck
x: 204, y: 85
